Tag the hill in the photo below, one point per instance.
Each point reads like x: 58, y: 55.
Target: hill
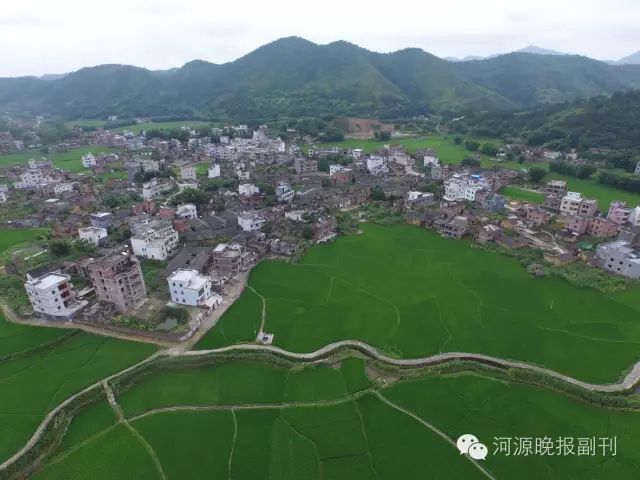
x: 295, y: 77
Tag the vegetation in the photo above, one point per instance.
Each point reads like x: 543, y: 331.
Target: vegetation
x: 433, y: 297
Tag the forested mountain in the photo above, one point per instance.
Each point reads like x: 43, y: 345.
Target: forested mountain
x: 605, y: 122
x: 293, y: 76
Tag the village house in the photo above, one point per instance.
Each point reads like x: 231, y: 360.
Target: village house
x: 188, y: 172
x: 618, y: 257
x: 247, y: 189
x: 324, y: 227
x: 52, y: 296
x: 456, y: 228
x: 92, y: 235
x: 186, y: 211
x: 154, y: 188
x: 230, y: 259
x: 280, y: 247
x: 214, y: 171
x: 464, y: 187
x: 557, y: 188
x: 619, y: 213
x: 189, y: 287
x: 117, y: 279
x: 305, y: 166
x: 250, y: 221
x: 602, y: 228
x: 537, y: 215
x: 377, y: 165
x: 153, y: 239
x: 284, y: 192
x: 101, y: 219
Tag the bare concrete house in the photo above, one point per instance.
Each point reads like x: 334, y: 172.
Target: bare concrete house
x: 118, y: 279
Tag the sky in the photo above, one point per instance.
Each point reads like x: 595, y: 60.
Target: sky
x: 57, y: 36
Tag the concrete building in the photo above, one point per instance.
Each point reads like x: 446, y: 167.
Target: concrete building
x: 52, y: 296
x: 619, y: 213
x: 377, y: 165
x: 247, y: 189
x: 188, y: 287
x: 304, y: 166
x: 557, y: 188
x: 230, y: 259
x: 418, y: 199
x: 92, y: 234
x: 250, y: 221
x: 214, y: 171
x: 154, y: 239
x: 618, y: 257
x: 284, y: 192
x: 154, y: 188
x: 31, y: 178
x: 464, y: 187
x: 602, y: 228
x: 637, y: 170
x: 101, y: 219
x: 188, y: 172
x: 89, y: 160
x: 570, y: 203
x: 186, y: 210
x: 429, y: 157
x: 576, y: 224
x: 456, y: 228
x: 118, y: 279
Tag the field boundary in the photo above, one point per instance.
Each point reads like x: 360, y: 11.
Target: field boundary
x: 52, y: 427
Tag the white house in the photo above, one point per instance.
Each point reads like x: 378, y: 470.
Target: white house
x: 377, y: 165
x: 335, y: 168
x: 59, y: 188
x: 188, y: 287
x: 618, y: 257
x: 31, y: 178
x: 187, y: 210
x: 154, y: 240
x: 570, y: 203
x: 88, y: 160
x: 52, y: 296
x: 248, y: 189
x: 214, y: 171
x: 153, y: 188
x: 92, y: 234
x: 464, y: 187
x: 250, y: 221
x: 430, y: 158
x: 356, y: 153
x: 637, y: 171
x: 3, y: 197
x: 284, y: 192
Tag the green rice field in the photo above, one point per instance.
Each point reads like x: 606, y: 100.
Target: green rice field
x: 71, y: 160
x: 515, y: 193
x: 257, y: 420
x: 411, y: 293
x: 41, y: 367
x: 139, y: 128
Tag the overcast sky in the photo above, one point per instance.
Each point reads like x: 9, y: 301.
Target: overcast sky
x: 55, y: 36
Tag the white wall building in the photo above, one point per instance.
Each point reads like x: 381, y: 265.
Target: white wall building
x: 3, y: 197
x: 188, y: 172
x: 214, y: 171
x: 250, y: 221
x: 377, y: 165
x: 52, y: 296
x: 188, y: 287
x: 154, y: 188
x: 284, y: 192
x: 154, y: 240
x: 464, y: 187
x: 31, y: 178
x: 637, y: 171
x: 618, y: 257
x: 248, y: 189
x: 89, y: 160
x: 60, y: 188
x: 335, y: 168
x: 430, y: 159
x: 92, y: 234
x: 570, y: 203
x: 187, y: 210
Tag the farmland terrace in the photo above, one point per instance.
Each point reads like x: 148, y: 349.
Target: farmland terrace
x: 388, y: 345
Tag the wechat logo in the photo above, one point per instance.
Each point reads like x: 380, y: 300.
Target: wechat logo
x: 470, y: 445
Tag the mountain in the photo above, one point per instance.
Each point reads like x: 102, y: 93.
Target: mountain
x: 633, y: 59
x: 295, y: 77
x: 539, y: 51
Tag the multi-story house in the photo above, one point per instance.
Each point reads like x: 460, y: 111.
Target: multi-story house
x: 188, y: 172
x: 619, y: 213
x: 284, y: 192
x: 305, y: 166
x: 464, y: 187
x: 92, y: 234
x: 602, y: 228
x: 188, y: 287
x: 89, y: 160
x: 52, y: 296
x: 377, y: 165
x: 248, y: 189
x: 118, y: 279
x: 618, y: 257
x: 154, y: 239
x: 250, y: 221
x: 154, y: 188
x: 557, y: 188
x: 230, y: 259
x: 187, y: 211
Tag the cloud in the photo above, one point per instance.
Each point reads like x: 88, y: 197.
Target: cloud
x: 43, y: 37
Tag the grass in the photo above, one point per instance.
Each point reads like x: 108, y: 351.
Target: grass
x: 411, y: 293
x: 369, y: 437
x: 14, y: 240
x: 38, y: 380
x: 70, y: 161
x: 448, y: 151
x: 522, y: 195
x: 592, y: 189
x: 86, y: 123
x: 139, y: 128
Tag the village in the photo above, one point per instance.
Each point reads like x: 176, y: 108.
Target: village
x: 169, y: 241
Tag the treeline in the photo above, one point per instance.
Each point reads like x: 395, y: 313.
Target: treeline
x: 630, y: 183
x: 599, y: 122
x: 567, y: 168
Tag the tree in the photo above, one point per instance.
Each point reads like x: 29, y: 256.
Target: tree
x: 536, y: 174
x: 489, y: 149
x: 323, y: 165
x: 190, y: 195
x: 457, y: 140
x: 59, y: 248
x: 382, y: 136
x: 377, y: 193
x: 471, y: 145
x: 307, y: 232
